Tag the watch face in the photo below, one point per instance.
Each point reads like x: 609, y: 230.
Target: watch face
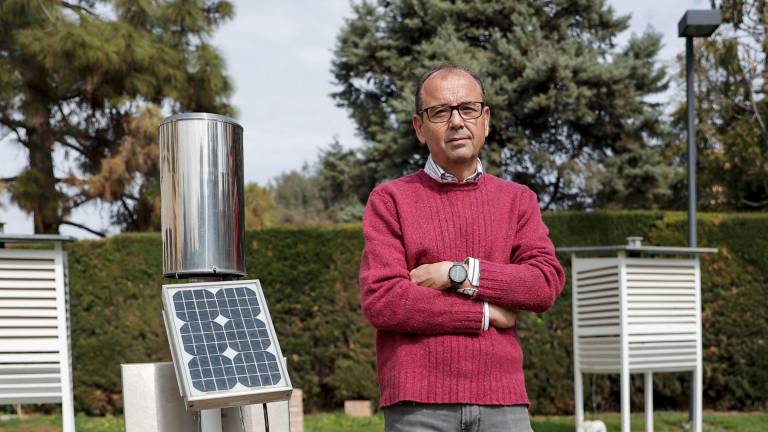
x: 457, y: 273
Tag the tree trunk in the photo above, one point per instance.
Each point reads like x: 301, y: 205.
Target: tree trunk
x: 42, y: 198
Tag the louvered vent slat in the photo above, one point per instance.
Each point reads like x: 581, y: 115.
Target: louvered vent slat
x: 30, y: 345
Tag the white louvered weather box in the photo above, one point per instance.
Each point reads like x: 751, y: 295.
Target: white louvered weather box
x: 35, y: 361
x: 636, y: 312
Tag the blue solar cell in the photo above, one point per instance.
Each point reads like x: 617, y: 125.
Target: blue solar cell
x: 203, y: 338
x: 195, y: 305
x: 210, y: 373
x: 238, y: 303
x: 261, y: 368
x: 243, y: 339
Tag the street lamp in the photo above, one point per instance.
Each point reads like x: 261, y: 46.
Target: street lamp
x: 694, y: 23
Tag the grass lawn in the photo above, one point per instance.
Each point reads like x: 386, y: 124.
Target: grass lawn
x: 52, y: 423
x: 664, y: 421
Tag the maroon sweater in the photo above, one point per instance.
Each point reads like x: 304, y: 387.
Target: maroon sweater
x: 429, y: 343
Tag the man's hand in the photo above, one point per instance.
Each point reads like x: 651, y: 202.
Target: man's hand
x: 432, y: 275
x: 501, y: 318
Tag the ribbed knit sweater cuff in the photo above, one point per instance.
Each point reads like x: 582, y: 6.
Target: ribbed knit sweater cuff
x: 517, y: 286
x: 442, y: 314
x: 468, y: 319
x: 494, y: 280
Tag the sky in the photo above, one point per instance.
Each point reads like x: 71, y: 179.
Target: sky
x: 278, y: 55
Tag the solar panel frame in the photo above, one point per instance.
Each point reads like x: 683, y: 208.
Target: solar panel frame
x: 240, y: 394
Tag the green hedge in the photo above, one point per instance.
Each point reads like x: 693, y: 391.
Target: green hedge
x: 309, y: 276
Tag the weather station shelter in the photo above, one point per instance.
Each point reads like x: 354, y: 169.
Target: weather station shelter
x: 636, y: 310
x: 35, y: 356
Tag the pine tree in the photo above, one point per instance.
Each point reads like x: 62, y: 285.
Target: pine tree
x: 342, y: 182
x: 568, y: 106
x: 89, y: 76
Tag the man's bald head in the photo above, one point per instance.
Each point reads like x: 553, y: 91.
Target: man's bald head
x: 449, y: 66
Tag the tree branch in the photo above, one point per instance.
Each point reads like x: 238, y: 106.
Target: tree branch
x: 78, y: 8
x: 65, y: 98
x: 757, y: 204
x: 83, y: 227
x: 64, y: 116
x: 78, y: 203
x: 19, y: 138
x: 11, y: 123
x: 14, y: 126
x: 131, y: 214
x: 555, y: 192
x: 748, y: 76
x: 63, y: 141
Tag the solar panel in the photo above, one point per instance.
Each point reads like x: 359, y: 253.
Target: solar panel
x: 224, y: 345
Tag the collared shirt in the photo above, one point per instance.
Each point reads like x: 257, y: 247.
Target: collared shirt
x: 473, y: 274
x: 438, y: 173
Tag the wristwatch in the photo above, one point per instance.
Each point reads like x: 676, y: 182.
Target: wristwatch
x: 457, y: 274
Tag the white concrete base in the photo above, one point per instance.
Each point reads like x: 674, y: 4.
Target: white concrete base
x: 152, y: 403
x: 594, y: 426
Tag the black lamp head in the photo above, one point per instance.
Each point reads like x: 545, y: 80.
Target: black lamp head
x: 699, y: 23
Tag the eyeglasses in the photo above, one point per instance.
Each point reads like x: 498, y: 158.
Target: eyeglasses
x: 443, y: 113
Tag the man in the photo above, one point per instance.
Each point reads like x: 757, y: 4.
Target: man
x: 450, y: 254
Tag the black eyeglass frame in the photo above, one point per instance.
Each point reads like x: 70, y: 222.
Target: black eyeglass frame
x: 453, y: 108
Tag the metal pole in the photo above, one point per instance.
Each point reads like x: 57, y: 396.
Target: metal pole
x: 689, y: 76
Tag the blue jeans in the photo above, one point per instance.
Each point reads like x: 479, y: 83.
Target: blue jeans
x: 416, y: 417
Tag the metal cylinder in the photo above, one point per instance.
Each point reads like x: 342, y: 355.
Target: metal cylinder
x: 201, y: 186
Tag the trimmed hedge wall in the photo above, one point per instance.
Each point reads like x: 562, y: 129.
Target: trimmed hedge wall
x: 310, y: 280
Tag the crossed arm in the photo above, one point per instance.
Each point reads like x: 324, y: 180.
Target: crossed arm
x: 395, y: 299
x: 435, y: 276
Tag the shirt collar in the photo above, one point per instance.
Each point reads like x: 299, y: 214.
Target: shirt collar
x: 436, y: 172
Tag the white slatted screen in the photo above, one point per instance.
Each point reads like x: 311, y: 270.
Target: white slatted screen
x: 34, y: 336
x: 597, y: 314
x: 661, y: 313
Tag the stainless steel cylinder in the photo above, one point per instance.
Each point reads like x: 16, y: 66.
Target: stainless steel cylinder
x: 201, y: 186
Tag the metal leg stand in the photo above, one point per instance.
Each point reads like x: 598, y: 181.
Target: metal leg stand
x: 578, y: 387
x: 648, y: 402
x: 697, y: 395
x: 625, y: 413
x: 210, y: 420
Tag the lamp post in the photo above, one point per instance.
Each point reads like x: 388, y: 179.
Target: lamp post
x: 694, y: 23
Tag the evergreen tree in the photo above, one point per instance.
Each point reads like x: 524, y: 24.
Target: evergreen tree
x: 343, y: 182
x: 259, y: 207
x: 89, y: 76
x: 297, y: 198
x: 569, y: 109
x: 332, y: 189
